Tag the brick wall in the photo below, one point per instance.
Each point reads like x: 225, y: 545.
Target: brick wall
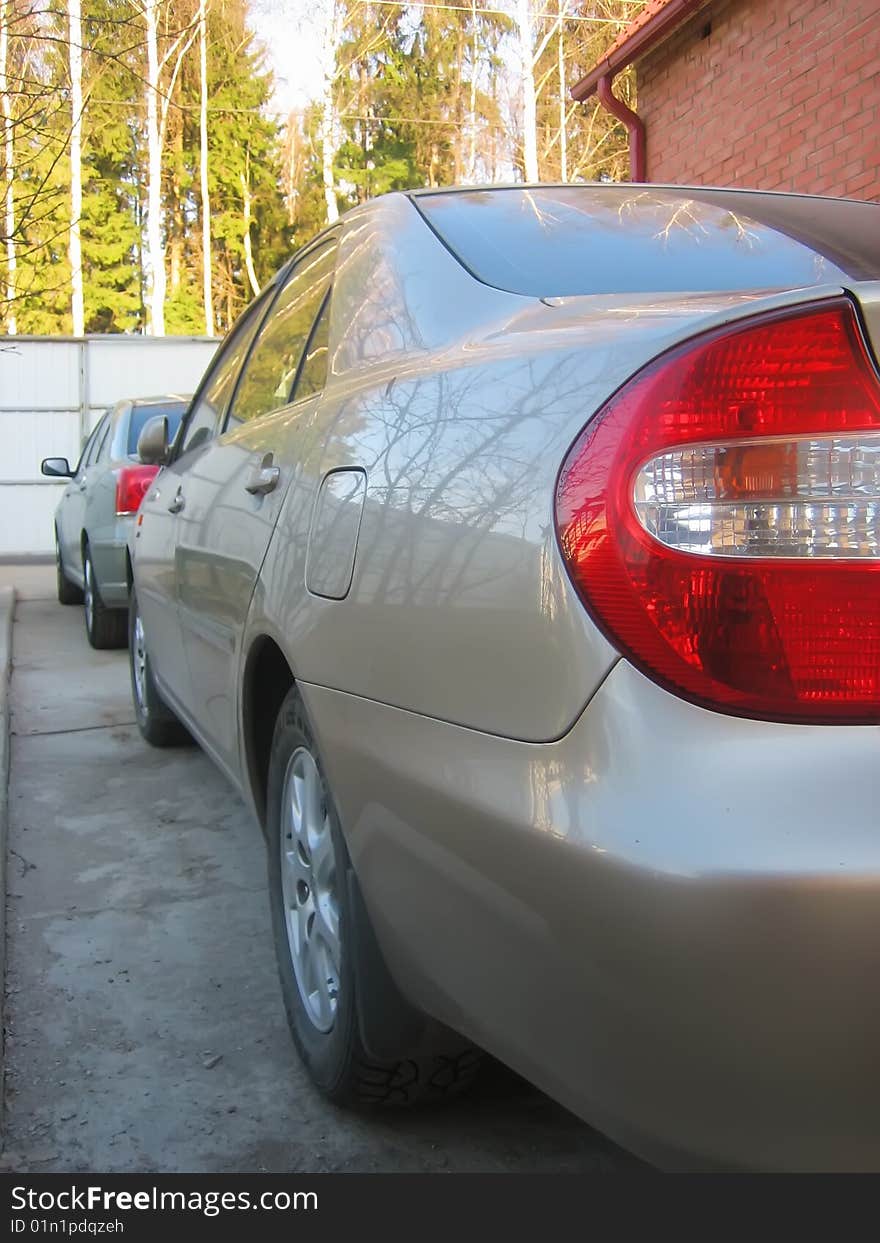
x: 768, y: 94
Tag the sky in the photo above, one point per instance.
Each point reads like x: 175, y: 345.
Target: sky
x: 288, y: 28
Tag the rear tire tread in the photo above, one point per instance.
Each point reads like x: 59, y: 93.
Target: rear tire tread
x: 433, y: 1065
x: 157, y: 723
x: 109, y: 627
x: 68, y: 592
x: 416, y: 1080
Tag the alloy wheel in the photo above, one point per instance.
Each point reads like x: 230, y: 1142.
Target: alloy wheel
x: 309, y: 889
x: 139, y: 663
x: 88, y: 592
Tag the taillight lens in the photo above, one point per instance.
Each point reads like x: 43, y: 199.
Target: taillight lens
x: 131, y: 485
x: 720, y: 518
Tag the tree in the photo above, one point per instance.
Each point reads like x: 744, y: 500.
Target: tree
x: 9, y: 167
x: 163, y: 67
x: 577, y: 141
x: 414, y: 96
x: 331, y: 30
x: 146, y: 185
x: 249, y: 231
x: 302, y: 178
x: 75, y: 48
x: 33, y: 141
x: 203, y: 169
x: 113, y: 279
x: 526, y: 39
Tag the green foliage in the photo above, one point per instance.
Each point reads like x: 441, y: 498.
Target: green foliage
x: 420, y: 95
x: 244, y: 150
x: 412, y: 99
x: 244, y: 162
x: 111, y: 138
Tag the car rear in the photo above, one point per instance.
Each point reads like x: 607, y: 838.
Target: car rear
x: 120, y: 493
x: 720, y: 518
x: 706, y: 867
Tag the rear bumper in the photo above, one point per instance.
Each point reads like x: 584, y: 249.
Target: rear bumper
x: 669, y: 919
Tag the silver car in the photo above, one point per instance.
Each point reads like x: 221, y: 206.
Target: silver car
x: 519, y: 561
x: 95, y: 511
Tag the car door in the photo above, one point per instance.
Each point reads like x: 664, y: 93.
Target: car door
x: 71, y: 518
x: 233, y: 501
x: 163, y: 510
x: 99, y: 514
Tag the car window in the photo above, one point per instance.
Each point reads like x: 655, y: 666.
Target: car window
x: 267, y: 380
x: 119, y: 419
x: 141, y: 415
x: 568, y: 240
x: 313, y: 372
x: 103, y: 451
x: 206, y: 414
x: 90, y: 451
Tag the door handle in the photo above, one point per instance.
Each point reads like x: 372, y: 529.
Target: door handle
x: 263, y: 478
x: 178, y: 503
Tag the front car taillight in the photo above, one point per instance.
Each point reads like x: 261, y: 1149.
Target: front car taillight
x: 720, y: 518
x: 132, y: 483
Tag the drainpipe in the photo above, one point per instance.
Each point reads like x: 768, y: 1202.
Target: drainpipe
x: 633, y: 122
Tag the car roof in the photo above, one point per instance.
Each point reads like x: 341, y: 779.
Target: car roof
x: 160, y: 401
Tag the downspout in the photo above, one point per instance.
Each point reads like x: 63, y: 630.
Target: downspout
x: 633, y: 122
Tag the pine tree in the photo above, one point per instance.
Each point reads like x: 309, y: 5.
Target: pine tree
x: 244, y: 174
x: 418, y: 95
x: 412, y: 96
x: 113, y: 282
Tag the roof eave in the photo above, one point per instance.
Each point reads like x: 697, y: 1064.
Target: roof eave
x: 641, y: 41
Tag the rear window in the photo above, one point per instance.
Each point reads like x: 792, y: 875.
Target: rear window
x: 569, y: 240
x: 141, y: 415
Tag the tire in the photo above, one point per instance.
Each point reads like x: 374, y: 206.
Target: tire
x: 68, y: 592
x: 323, y: 971
x: 105, y: 628
x: 155, y: 720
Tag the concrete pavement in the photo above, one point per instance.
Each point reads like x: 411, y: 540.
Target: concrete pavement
x: 7, y: 606
x: 145, y: 1027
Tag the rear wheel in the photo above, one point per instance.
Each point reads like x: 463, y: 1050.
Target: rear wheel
x: 324, y: 973
x: 157, y: 723
x: 68, y: 592
x: 104, y: 627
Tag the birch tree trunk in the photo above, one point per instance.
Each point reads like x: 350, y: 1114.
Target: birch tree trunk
x: 155, y: 250
x: 175, y: 219
x: 529, y: 95
x: 246, y: 211
x: 472, y: 101
x: 9, y: 172
x: 563, y: 95
x: 74, y: 23
x: 203, y: 164
x: 329, y: 42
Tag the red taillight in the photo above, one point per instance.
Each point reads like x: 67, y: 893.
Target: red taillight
x: 131, y: 485
x: 720, y: 518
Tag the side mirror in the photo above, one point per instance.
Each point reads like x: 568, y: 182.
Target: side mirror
x: 152, y: 445
x: 56, y: 468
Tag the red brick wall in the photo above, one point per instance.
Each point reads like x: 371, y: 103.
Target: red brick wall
x: 780, y: 95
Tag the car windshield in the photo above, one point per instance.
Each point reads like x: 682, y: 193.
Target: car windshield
x: 141, y: 415
x: 558, y: 241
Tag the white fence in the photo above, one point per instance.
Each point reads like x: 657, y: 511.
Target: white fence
x: 53, y: 390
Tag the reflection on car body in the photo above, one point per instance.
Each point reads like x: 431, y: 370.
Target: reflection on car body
x: 546, y: 765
